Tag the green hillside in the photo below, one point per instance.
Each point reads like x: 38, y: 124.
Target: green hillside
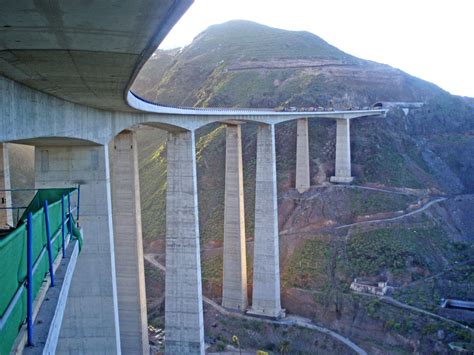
x: 244, y: 64
x: 412, y: 158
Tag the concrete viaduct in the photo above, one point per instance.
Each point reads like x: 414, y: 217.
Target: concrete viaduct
x: 65, y: 73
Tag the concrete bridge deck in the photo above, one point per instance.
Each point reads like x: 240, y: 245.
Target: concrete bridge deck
x: 65, y: 73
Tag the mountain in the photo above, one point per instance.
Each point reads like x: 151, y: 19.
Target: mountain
x: 244, y: 64
x: 406, y: 220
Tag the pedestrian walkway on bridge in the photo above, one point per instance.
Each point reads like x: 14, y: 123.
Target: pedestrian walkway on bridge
x: 28, y: 252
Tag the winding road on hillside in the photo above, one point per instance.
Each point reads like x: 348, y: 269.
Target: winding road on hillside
x: 382, y: 220
x: 407, y: 214
x: 392, y: 190
x: 289, y: 320
x: 307, y: 323
x: 392, y: 301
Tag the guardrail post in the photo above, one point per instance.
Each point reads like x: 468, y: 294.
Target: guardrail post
x: 78, y: 203
x: 70, y: 214
x: 48, y: 238
x: 29, y: 265
x: 63, y: 228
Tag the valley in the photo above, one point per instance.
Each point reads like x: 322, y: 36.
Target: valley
x: 405, y: 220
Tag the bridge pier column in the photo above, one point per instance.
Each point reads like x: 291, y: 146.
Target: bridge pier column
x: 90, y: 324
x: 266, y: 264
x: 343, y: 152
x: 128, y: 245
x: 184, y: 323
x: 6, y: 215
x: 302, y: 156
x: 234, y: 290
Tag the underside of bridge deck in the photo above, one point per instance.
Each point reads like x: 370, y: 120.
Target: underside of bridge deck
x: 86, y: 52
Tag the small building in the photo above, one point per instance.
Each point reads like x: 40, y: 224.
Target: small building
x: 379, y: 288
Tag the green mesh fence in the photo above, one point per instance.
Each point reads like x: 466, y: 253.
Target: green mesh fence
x: 13, y: 265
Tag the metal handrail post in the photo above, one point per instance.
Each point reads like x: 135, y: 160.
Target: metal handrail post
x: 78, y: 203
x: 29, y: 265
x: 48, y: 238
x: 70, y: 214
x: 63, y: 227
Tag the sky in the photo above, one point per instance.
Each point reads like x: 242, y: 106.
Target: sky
x: 430, y: 39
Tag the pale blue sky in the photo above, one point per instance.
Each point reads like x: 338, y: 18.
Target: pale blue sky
x: 432, y: 40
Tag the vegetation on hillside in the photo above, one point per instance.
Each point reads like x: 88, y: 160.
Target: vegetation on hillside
x: 244, y: 64
x: 420, y: 251
x: 427, y: 151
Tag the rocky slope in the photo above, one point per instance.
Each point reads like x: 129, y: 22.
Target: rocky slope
x: 245, y: 64
x: 411, y: 157
x: 401, y: 163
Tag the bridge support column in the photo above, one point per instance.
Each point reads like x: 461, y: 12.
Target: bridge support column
x: 184, y: 323
x: 234, y: 290
x: 343, y: 152
x: 6, y: 215
x: 91, y: 323
x: 302, y: 156
x: 266, y: 264
x: 128, y: 245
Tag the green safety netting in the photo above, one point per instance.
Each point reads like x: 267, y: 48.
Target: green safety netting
x: 42, y: 195
x: 13, y: 264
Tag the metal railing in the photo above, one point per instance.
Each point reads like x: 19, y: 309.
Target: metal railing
x: 73, y: 202
x: 70, y: 203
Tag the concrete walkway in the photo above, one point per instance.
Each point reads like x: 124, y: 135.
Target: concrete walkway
x: 289, y: 320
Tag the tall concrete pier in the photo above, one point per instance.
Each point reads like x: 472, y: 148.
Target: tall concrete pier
x: 266, y: 264
x: 302, y: 155
x: 343, y: 152
x: 183, y: 296
x: 6, y: 215
x: 234, y: 289
x: 128, y: 244
x: 91, y: 322
x: 71, y: 118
